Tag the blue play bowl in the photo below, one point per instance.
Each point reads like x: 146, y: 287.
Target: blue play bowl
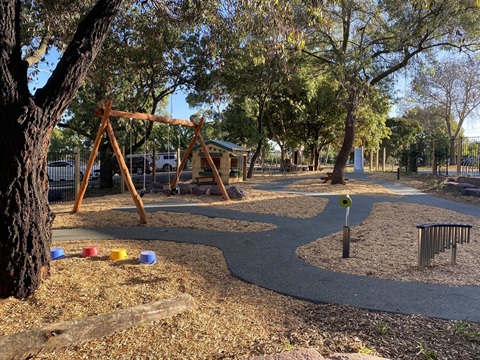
x: 57, y: 253
x: 147, y: 257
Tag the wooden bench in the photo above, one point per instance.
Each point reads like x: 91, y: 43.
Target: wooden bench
x: 210, y: 179
x: 435, y: 238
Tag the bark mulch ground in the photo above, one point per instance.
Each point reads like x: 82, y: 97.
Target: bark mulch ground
x: 233, y: 320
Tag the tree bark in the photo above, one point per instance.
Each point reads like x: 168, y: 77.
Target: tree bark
x: 25, y: 217
x: 69, y: 333
x: 27, y: 124
x: 338, y: 175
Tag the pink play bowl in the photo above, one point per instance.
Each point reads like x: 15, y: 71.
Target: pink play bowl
x: 89, y: 251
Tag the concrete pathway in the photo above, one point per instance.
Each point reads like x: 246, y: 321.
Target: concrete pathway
x: 268, y: 258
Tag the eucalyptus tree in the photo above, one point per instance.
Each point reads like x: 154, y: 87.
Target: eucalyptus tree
x: 236, y: 124
x: 256, y: 73
x: 403, y: 132
x: 452, y: 87
x: 429, y: 127
x: 27, y: 124
x: 77, y: 30
x: 365, y: 42
x: 321, y: 123
x: 371, y: 126
x: 141, y: 64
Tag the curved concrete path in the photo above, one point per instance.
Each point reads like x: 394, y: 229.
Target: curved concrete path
x: 268, y: 258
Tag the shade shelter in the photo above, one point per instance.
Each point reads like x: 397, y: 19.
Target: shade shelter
x: 230, y: 161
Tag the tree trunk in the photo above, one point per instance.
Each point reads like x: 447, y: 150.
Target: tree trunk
x: 316, y: 161
x: 27, y: 123
x: 55, y: 336
x: 25, y: 217
x: 453, y: 150
x: 254, y: 158
x: 338, y: 175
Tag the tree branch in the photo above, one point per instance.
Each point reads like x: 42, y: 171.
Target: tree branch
x: 317, y: 57
x: 70, y: 72
x: 42, y: 49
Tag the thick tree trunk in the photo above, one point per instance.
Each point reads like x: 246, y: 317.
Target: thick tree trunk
x: 27, y: 123
x: 254, y: 158
x: 338, y: 175
x: 25, y: 216
x: 316, y: 159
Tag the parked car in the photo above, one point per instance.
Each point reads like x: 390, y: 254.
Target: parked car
x: 166, y: 161
x: 64, y: 170
x: 140, y: 163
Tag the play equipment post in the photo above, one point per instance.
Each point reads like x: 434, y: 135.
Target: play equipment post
x: 346, y: 202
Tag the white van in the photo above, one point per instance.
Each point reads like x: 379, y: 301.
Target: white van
x: 166, y: 161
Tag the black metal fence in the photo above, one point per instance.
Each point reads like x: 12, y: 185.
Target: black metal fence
x: 66, y: 170
x: 461, y: 157
x: 469, y: 162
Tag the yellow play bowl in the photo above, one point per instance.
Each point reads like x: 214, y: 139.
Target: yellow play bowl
x: 118, y: 254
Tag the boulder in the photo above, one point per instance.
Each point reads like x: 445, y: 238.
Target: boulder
x: 451, y: 186
x: 471, y: 192
x: 235, y: 192
x: 312, y: 354
x: 155, y: 185
x: 470, y: 179
x: 199, y: 190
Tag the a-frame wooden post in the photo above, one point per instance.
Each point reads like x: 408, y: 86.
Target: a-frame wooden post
x: 105, y: 113
x: 213, y: 167
x: 126, y: 174
x: 198, y: 128
x: 91, y: 159
x: 198, y: 136
x: 121, y: 162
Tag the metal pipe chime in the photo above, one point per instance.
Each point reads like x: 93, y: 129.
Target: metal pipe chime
x: 435, y: 238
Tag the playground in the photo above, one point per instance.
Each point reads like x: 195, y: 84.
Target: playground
x: 235, y: 319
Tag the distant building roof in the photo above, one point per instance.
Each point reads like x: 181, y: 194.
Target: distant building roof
x: 224, y: 145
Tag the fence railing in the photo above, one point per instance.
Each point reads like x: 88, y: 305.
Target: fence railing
x: 66, y: 170
x: 469, y: 162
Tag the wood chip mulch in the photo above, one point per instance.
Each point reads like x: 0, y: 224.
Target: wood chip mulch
x: 234, y: 319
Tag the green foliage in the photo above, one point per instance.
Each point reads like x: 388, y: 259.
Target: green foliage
x: 403, y: 132
x: 383, y: 328
x: 65, y: 140
x: 371, y: 119
x: 464, y: 330
x: 366, y: 351
x: 427, y: 354
x: 238, y: 127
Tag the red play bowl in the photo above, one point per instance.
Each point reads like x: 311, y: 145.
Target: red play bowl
x: 90, y: 251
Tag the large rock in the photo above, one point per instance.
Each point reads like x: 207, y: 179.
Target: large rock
x: 311, y: 354
x: 235, y: 192
x: 469, y: 179
x: 199, y: 190
x: 472, y: 192
x: 154, y: 186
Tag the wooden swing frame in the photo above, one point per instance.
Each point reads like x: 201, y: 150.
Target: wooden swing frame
x: 105, y: 112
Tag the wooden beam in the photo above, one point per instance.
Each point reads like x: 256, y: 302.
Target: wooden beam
x: 141, y: 116
x: 91, y: 159
x: 198, y: 128
x: 213, y: 167
x: 126, y: 175
x: 68, y: 333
